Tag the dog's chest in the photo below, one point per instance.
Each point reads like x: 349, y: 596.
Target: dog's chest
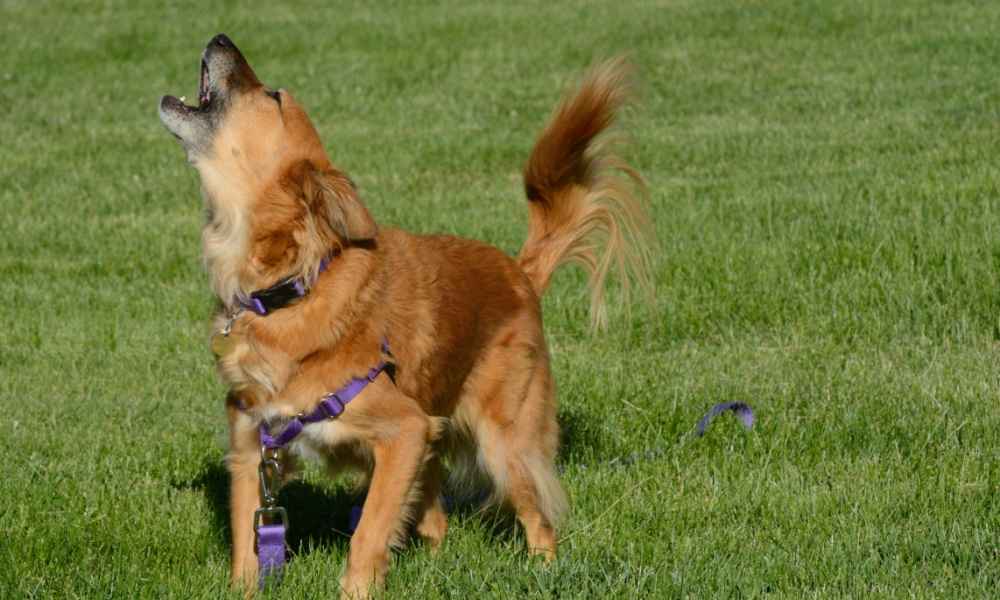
x: 237, y: 360
x: 317, y: 440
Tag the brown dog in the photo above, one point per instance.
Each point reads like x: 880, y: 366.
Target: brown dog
x: 462, y: 319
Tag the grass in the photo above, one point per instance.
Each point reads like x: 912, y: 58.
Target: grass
x: 827, y: 199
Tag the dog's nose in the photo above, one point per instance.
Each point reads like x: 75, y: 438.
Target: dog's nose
x: 222, y: 40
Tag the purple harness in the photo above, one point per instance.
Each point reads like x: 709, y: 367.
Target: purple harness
x: 330, y: 407
x: 271, y: 520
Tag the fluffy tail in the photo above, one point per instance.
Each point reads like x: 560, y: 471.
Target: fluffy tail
x: 586, y: 204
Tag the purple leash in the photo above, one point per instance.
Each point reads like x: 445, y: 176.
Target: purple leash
x: 271, y: 520
x: 270, y: 553
x: 742, y: 411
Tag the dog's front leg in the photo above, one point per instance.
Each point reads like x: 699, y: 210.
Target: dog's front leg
x: 244, y: 497
x: 398, y: 461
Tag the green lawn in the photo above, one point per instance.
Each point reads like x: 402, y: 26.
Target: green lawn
x: 826, y: 191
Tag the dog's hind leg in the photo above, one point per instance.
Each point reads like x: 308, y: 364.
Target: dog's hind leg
x: 533, y: 488
x: 432, y: 522
x: 518, y: 437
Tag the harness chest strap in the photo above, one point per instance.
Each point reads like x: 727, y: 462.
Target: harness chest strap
x: 331, y: 406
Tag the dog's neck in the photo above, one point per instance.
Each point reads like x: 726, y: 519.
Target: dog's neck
x: 262, y: 228
x: 243, y: 256
x: 225, y: 240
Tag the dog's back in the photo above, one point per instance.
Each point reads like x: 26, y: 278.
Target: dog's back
x: 586, y: 207
x: 467, y: 318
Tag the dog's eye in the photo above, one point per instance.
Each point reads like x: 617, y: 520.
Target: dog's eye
x: 274, y: 94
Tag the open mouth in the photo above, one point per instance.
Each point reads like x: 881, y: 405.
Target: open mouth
x: 223, y: 71
x: 204, y: 93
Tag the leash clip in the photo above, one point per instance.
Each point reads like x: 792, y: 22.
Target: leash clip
x: 231, y: 318
x: 269, y: 472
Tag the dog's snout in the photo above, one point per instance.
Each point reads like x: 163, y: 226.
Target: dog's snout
x: 226, y: 68
x: 222, y: 40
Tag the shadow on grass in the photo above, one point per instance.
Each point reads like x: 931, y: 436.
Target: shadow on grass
x: 318, y: 517
x: 581, y: 438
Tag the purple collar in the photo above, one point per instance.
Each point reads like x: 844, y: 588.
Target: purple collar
x: 279, y: 295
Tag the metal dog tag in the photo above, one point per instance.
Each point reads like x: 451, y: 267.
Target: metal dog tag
x: 221, y: 344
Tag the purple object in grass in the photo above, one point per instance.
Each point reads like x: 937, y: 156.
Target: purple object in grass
x: 742, y: 411
x: 270, y: 552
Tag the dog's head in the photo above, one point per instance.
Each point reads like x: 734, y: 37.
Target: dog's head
x: 268, y: 182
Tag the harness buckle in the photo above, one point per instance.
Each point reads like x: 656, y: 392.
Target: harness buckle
x: 332, y: 405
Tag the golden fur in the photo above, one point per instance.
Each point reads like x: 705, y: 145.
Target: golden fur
x: 463, y: 320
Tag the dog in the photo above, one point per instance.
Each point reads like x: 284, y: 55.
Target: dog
x: 460, y: 321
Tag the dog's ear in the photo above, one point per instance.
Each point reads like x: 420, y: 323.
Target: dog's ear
x: 331, y: 196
